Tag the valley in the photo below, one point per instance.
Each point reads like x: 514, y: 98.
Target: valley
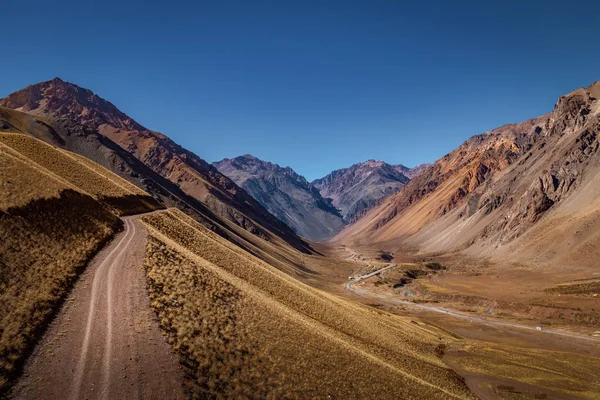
x: 132, y: 268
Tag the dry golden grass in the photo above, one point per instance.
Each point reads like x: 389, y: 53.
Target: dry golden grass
x: 55, y: 214
x: 82, y: 174
x: 246, y: 329
x: 21, y: 184
x: 530, y: 370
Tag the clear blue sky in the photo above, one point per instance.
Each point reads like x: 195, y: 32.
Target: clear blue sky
x: 313, y: 85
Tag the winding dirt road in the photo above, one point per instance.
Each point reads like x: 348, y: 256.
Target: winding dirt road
x: 105, y: 343
x: 494, y: 322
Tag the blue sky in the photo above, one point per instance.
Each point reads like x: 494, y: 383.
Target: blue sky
x: 315, y: 85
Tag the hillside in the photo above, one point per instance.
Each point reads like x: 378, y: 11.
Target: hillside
x: 355, y: 189
x: 509, y: 193
x: 176, y: 173
x: 250, y: 330
x: 285, y: 194
x: 57, y: 210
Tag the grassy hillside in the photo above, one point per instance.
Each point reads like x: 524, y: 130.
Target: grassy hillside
x: 246, y: 329
x: 119, y: 195
x: 56, y: 212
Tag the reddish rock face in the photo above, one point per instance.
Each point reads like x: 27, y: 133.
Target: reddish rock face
x: 507, y: 184
x: 194, y: 176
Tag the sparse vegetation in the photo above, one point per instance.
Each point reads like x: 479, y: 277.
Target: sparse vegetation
x: 434, y: 266
x: 558, y: 374
x: 224, y: 310
x: 578, y: 288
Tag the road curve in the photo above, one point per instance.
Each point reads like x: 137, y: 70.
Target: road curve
x: 495, y: 322
x: 105, y: 342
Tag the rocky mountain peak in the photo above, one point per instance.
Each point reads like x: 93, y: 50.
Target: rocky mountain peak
x: 355, y: 189
x: 63, y: 99
x: 286, y: 194
x: 255, y: 166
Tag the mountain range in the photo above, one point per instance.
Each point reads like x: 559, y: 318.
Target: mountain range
x: 320, y: 209
x: 499, y: 237
x: 78, y: 120
x: 495, y: 188
x: 286, y: 195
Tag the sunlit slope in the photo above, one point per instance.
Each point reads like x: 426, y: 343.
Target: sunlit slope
x: 514, y: 192
x: 56, y: 211
x: 248, y: 329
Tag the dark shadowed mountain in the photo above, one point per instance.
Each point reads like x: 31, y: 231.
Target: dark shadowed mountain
x: 286, y: 195
x: 355, y: 189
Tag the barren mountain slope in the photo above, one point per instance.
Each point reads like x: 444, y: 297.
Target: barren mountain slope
x: 193, y: 176
x: 355, y: 189
x: 535, y: 181
x: 284, y: 194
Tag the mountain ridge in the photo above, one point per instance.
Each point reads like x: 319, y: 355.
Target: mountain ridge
x: 285, y: 194
x: 195, y: 177
x: 357, y: 188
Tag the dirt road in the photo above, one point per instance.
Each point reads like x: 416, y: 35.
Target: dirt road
x: 487, y: 321
x: 105, y: 342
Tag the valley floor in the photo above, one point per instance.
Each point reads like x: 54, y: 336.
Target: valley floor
x: 506, y: 354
